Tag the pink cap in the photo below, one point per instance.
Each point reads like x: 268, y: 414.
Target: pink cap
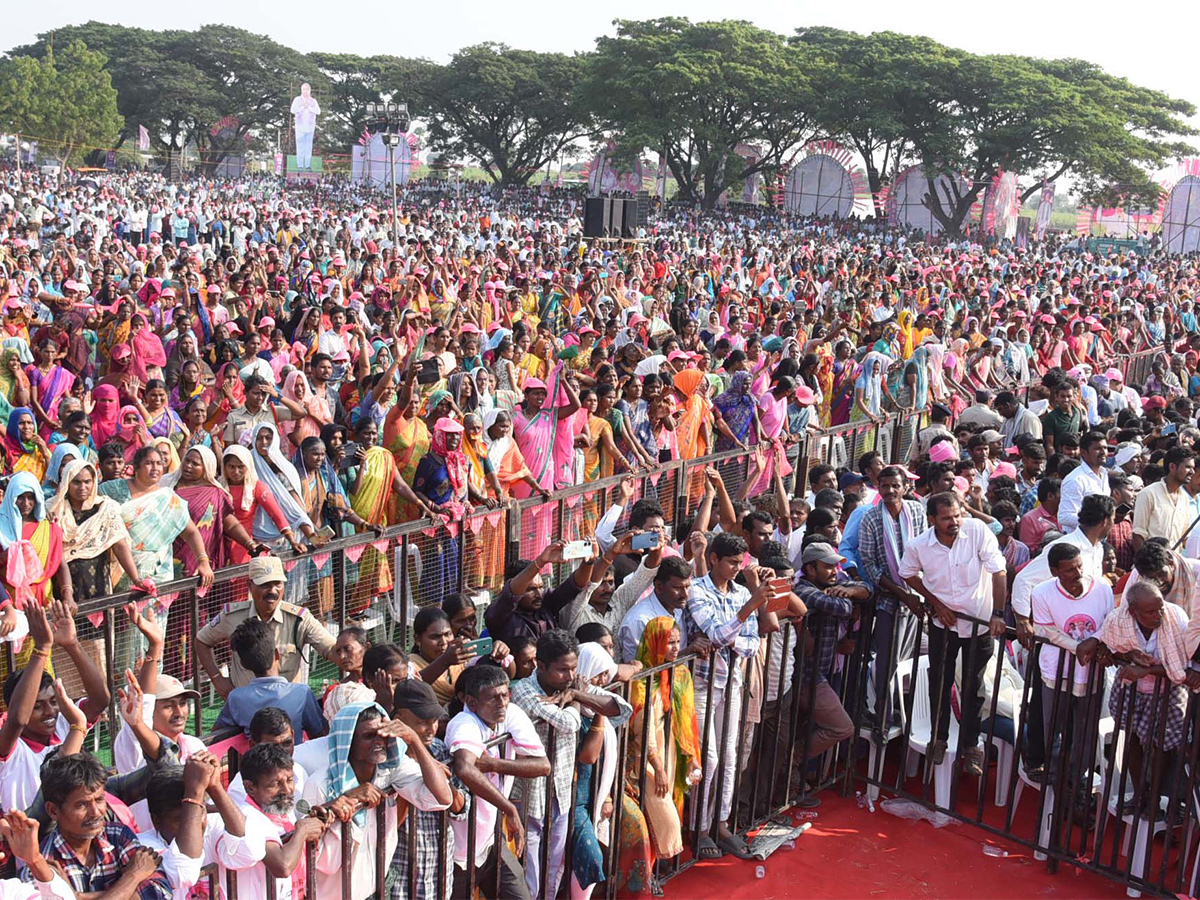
x: 534, y: 384
x: 942, y: 452
x: 448, y: 425
x: 961, y: 485
x: 1004, y: 469
x: 805, y: 395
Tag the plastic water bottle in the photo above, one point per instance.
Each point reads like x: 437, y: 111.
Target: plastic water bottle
x: 760, y: 872
x: 992, y: 850
x: 860, y: 799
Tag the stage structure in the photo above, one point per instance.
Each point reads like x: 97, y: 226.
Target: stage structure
x: 907, y: 204
x: 370, y: 163
x: 1181, y: 210
x: 827, y: 181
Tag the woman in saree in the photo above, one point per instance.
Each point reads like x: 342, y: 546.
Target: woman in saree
x: 406, y: 436
x: 327, y: 505
x: 62, y: 454
x: 15, y: 389
x: 593, y: 811
x: 735, y: 415
x: 673, y: 756
x: 30, y: 546
x: 154, y: 516
x: 773, y: 416
x: 443, y: 482
x: 316, y: 407
x: 692, y: 428
x: 132, y: 433
x: 870, y: 392
x: 106, y: 414
x: 228, y: 394
x: 536, y: 425
x: 184, y: 349
x: 506, y: 460
x: 49, y: 383
x: 161, y: 420
x: 254, y: 505
x: 26, y: 450
x: 189, y: 383
x: 93, y: 533
x: 211, y: 509
x: 148, y: 356
x: 844, y: 374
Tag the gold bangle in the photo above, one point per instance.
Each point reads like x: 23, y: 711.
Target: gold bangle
x: 198, y: 803
x: 42, y: 652
x: 82, y: 729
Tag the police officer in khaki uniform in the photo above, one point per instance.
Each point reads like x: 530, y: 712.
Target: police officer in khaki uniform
x: 294, y: 628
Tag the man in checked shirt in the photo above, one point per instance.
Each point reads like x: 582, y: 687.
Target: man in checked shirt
x: 552, y: 698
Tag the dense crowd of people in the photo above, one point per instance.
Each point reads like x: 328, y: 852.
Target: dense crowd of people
x: 212, y: 373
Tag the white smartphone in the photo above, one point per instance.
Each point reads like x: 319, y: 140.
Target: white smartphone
x: 577, y: 550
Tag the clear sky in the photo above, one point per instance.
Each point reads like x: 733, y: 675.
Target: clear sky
x: 1153, y: 46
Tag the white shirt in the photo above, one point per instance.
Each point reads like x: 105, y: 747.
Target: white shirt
x: 21, y: 773
x: 405, y: 780
x: 958, y: 575
x: 467, y: 731
x: 252, y: 880
x: 629, y: 633
x: 1074, y: 618
x: 306, y: 110
x: 237, y: 853
x: 56, y: 889
x: 1038, y: 570
x: 127, y: 756
x: 1081, y: 482
x: 237, y: 789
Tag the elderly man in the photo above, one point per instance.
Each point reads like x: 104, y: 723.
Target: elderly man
x: 295, y: 628
x: 1018, y: 421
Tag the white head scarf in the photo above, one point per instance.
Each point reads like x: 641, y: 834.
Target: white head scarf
x: 595, y: 660
x: 242, y: 455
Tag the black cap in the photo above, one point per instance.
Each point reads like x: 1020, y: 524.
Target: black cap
x: 418, y: 698
x: 941, y: 409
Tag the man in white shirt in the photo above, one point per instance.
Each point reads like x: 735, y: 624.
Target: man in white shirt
x: 1164, y: 509
x: 1090, y: 477
x: 367, y: 768
x: 487, y: 766
x: 185, y: 836
x: 269, y: 811
x: 305, y: 109
x: 957, y: 566
x: 672, y: 582
x: 1067, y: 613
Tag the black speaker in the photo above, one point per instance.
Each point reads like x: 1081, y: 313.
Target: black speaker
x: 616, y: 218
x: 595, y: 216
x: 643, y: 205
x: 630, y: 219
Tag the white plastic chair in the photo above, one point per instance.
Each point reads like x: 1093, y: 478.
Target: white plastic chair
x: 895, y: 687
x: 1135, y: 825
x: 921, y: 737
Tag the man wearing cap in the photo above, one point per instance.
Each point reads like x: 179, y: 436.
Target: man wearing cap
x: 417, y: 707
x: 980, y: 413
x: 885, y: 530
x: 939, y: 416
x: 1018, y: 421
x: 827, y: 594
x: 294, y: 626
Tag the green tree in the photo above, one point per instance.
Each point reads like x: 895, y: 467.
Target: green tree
x: 513, y: 110
x: 697, y: 91
x: 64, y: 98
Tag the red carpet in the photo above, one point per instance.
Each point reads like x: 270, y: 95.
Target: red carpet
x: 853, y: 853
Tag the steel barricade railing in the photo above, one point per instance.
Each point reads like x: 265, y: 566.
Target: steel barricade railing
x: 1098, y: 749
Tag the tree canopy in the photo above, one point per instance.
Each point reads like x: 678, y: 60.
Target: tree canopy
x: 66, y: 95
x: 722, y: 101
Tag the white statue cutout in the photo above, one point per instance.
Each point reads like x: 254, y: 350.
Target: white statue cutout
x: 306, y: 109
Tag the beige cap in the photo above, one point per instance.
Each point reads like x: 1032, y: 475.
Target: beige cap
x: 170, y: 687
x: 266, y: 569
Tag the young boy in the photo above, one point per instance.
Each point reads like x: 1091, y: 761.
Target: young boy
x: 254, y: 643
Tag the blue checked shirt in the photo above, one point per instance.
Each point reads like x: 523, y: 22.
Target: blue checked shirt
x: 114, y: 847
x: 872, y: 546
x: 828, y: 617
x: 714, y: 613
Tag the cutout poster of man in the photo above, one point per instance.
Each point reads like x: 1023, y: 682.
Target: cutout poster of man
x: 305, y: 109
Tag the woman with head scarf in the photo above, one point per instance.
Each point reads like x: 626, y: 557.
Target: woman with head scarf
x: 131, y: 431
x: 443, y: 483
x: 26, y: 450
x: 106, y: 414
x: 735, y: 414
x: 316, y: 408
x: 254, y: 505
x: 93, y: 533
x: 870, y: 391
x: 673, y: 756
x: 15, y: 389
x: 148, y: 355
x: 281, y: 480
x: 593, y: 813
x: 211, y: 509
x: 365, y: 747
x: 692, y: 429
x: 62, y: 453
x: 30, y: 546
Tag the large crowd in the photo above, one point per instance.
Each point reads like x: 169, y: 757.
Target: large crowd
x: 211, y: 373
